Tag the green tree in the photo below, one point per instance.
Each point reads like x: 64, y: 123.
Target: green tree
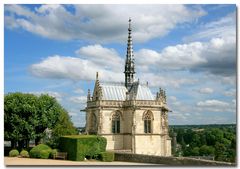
x: 49, y: 111
x: 203, y: 140
x: 63, y: 127
x: 27, y: 116
x: 20, y: 116
x: 215, y: 140
x: 196, y: 140
x: 188, y: 136
x: 233, y: 143
x: 220, y: 151
x: 206, y: 150
x: 195, y: 151
x: 210, y: 138
x: 217, y: 133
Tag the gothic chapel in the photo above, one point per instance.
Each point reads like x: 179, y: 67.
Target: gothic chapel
x: 128, y: 115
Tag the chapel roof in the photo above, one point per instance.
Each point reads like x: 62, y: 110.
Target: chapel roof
x: 117, y: 91
x: 140, y: 92
x: 113, y: 91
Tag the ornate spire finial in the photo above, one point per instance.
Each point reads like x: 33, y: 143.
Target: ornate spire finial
x: 129, y: 65
x: 89, y: 95
x: 129, y: 22
x: 165, y: 96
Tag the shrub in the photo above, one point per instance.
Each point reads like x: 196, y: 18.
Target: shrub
x: 24, y: 153
x: 44, y: 154
x: 107, y: 156
x: 80, y: 146
x: 13, y: 153
x: 40, y: 151
x: 54, y: 151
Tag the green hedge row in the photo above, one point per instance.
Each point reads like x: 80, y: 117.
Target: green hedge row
x: 80, y: 146
x: 107, y: 156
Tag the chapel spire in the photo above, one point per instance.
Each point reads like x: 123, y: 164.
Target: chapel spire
x: 129, y: 64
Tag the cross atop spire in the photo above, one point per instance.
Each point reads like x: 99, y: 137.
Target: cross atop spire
x: 129, y: 64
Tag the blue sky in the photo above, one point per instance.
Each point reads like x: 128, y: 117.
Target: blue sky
x: 189, y: 50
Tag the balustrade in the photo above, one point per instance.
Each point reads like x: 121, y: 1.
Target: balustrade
x: 127, y: 103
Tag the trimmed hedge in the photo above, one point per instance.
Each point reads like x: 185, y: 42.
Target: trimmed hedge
x: 53, y: 152
x: 13, y: 153
x: 24, y: 153
x: 44, y: 154
x: 40, y: 151
x: 80, y: 146
x: 107, y: 156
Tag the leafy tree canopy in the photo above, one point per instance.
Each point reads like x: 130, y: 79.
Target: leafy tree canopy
x: 27, y: 116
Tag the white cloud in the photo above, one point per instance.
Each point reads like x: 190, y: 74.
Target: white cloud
x: 91, y: 59
x: 173, y: 101
x: 63, y: 67
x: 73, y: 113
x: 78, y: 91
x: 156, y: 80
x: 234, y: 102
x: 231, y: 93
x: 224, y: 27
x: 228, y: 80
x: 58, y: 22
x: 99, y: 55
x: 212, y: 103
x: 218, y: 57
x: 177, y: 115
x: 172, y: 98
x: 10, y: 22
x: 78, y: 99
x: 172, y: 57
x: 206, y: 90
x: 217, y: 42
x: 216, y: 106
x: 54, y: 94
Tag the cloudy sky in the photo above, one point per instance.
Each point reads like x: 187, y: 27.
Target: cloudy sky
x: 189, y: 50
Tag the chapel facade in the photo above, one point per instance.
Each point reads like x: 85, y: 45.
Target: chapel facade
x: 127, y: 114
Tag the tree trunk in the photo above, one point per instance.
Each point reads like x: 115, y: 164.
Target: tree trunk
x: 13, y: 144
x: 27, y: 143
x: 21, y: 144
x: 37, y: 141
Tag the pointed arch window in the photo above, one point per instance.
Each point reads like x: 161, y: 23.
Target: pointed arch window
x: 147, y: 117
x: 116, y: 122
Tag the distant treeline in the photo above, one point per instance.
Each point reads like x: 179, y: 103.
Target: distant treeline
x: 214, y: 140
x: 202, y: 126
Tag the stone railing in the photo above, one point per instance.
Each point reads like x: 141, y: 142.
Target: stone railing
x: 110, y: 103
x: 152, y: 103
x: 128, y: 103
x: 171, y: 161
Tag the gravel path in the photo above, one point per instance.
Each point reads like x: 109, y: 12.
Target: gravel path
x: 15, y: 161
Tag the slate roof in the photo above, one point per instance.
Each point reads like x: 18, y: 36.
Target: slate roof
x: 117, y: 91
x: 113, y: 91
x: 140, y: 92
